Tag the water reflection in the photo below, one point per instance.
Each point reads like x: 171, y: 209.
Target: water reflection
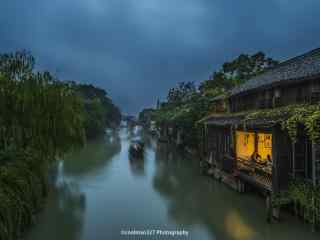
x: 148, y: 140
x: 63, y: 215
x: 99, y: 191
x: 194, y: 200
x: 94, y: 155
x: 137, y: 166
x: 134, y: 133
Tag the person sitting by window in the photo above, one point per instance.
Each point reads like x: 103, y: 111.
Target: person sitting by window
x: 254, y: 159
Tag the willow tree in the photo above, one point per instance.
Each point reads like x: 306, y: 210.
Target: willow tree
x: 40, y: 119
x: 36, y: 110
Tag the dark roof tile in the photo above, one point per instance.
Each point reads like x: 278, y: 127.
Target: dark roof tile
x: 297, y: 68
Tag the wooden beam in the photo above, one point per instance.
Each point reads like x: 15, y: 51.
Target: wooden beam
x: 306, y: 158
x: 256, y: 141
x: 293, y: 160
x: 275, y: 156
x: 314, y: 180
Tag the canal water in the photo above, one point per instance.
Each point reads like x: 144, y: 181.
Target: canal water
x: 99, y: 194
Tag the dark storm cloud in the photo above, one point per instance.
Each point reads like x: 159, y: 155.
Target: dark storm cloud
x: 137, y: 49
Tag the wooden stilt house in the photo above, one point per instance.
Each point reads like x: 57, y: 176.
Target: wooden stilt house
x: 264, y: 139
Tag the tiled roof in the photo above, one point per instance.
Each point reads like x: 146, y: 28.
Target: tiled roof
x: 301, y: 67
x: 227, y: 121
x: 219, y: 97
x: 222, y: 118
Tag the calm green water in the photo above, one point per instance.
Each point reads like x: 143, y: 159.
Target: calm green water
x: 99, y: 192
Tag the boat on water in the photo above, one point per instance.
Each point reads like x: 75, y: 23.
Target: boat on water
x: 136, y: 149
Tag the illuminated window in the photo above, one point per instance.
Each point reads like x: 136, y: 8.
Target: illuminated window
x: 245, y: 144
x: 265, y: 146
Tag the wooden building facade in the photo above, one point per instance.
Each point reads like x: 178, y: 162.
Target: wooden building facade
x: 259, y: 152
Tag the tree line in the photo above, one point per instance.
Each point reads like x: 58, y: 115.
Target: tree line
x: 187, y: 103
x: 99, y: 110
x: 41, y: 118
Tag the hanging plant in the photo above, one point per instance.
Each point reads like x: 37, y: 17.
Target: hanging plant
x: 312, y: 124
x: 290, y: 118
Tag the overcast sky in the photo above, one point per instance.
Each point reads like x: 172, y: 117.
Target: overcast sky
x: 138, y: 49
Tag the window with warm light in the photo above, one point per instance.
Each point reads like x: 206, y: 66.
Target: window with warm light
x: 248, y: 143
x: 245, y: 144
x: 264, y: 146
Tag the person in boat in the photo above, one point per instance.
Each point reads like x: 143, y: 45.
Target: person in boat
x: 137, y: 148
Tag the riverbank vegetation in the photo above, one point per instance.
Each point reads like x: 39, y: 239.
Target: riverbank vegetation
x: 305, y: 199
x: 41, y: 118
x: 100, y: 112
x: 187, y: 103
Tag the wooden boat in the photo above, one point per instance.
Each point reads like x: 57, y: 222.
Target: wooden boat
x: 136, y: 149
